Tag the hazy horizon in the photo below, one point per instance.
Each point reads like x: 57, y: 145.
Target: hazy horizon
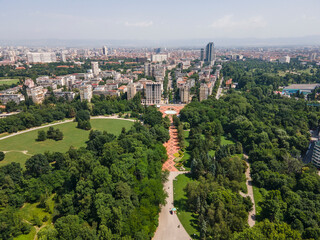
x: 165, y: 20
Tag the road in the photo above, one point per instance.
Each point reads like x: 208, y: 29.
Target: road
x: 252, y: 213
x: 219, y: 92
x: 168, y: 224
x: 61, y: 122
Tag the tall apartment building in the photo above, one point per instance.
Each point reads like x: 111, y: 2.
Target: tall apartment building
x: 185, y: 94
x: 95, y: 68
x: 37, y: 94
x: 315, y: 159
x: 86, y: 93
x: 147, y: 69
x: 210, y: 53
x: 45, y: 57
x: 131, y: 91
x: 204, y: 92
x: 153, y: 93
x: 105, y: 50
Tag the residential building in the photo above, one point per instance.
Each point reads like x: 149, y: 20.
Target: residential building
x: 131, y: 91
x: 284, y: 59
x: 86, y: 93
x: 37, y: 94
x: 153, y: 93
x: 17, y: 98
x: 95, y: 68
x: 315, y: 159
x: 204, y: 92
x: 185, y: 94
x: 159, y: 57
x: 45, y: 57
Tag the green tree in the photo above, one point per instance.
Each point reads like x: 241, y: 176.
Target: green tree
x: 42, y: 136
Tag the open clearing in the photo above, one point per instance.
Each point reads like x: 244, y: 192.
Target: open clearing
x: 8, y: 81
x: 72, y: 137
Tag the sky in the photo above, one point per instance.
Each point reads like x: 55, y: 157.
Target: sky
x: 158, y: 19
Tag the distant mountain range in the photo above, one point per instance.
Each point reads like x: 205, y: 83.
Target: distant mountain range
x: 182, y: 43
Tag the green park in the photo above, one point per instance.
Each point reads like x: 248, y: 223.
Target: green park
x: 20, y: 147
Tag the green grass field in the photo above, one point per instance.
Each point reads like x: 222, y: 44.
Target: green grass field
x: 72, y: 137
x: 8, y: 81
x: 180, y: 202
x: 258, y: 198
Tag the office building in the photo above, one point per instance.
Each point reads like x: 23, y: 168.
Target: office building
x: 105, y: 51
x: 95, y: 68
x: 45, y: 57
x: 201, y: 54
x: 209, y: 58
x: 86, y: 93
x: 153, y: 93
x: 157, y: 50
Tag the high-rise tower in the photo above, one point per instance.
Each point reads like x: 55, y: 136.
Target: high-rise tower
x: 210, y: 52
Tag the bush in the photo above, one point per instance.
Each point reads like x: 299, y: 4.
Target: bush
x: 41, y: 136
x: 2, y: 155
x: 84, y: 125
x: 45, y: 218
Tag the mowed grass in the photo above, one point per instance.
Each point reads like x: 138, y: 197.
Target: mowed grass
x: 72, y: 137
x: 188, y: 221
x: 29, y: 236
x: 8, y: 81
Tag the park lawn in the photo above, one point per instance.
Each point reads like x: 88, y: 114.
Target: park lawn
x: 72, y: 137
x: 29, y: 236
x: 31, y: 209
x: 186, y: 217
x: 8, y: 81
x: 258, y: 198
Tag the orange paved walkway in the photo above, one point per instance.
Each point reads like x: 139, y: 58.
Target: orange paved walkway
x: 172, y: 145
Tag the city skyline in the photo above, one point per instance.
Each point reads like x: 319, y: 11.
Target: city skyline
x: 149, y: 21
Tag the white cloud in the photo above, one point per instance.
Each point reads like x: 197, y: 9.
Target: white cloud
x: 230, y: 22
x: 139, y: 24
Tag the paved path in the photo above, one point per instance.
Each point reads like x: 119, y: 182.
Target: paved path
x: 168, y: 224
x: 252, y: 213
x: 172, y: 145
x: 61, y: 122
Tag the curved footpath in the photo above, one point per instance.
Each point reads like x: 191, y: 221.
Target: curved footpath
x: 61, y: 122
x: 252, y: 213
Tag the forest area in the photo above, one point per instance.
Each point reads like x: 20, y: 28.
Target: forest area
x: 274, y: 132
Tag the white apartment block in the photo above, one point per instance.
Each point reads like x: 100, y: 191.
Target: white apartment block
x: 45, y: 57
x: 95, y: 68
x: 159, y: 57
